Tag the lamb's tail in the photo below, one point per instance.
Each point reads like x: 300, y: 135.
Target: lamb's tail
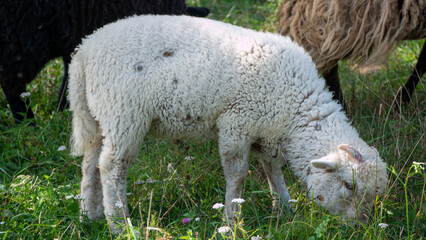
x: 84, y: 126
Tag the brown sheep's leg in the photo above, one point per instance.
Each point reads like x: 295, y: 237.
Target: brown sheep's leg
x: 19, y: 107
x: 404, y: 94
x: 332, y: 80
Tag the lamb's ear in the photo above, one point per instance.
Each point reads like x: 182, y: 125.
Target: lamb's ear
x: 328, y: 162
x: 353, y: 154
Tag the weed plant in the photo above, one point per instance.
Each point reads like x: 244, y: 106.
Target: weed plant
x: 172, y: 188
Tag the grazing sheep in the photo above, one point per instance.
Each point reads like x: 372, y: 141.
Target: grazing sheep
x: 35, y: 31
x: 186, y: 78
x: 362, y: 30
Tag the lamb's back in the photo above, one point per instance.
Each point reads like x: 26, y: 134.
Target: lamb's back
x: 188, y: 71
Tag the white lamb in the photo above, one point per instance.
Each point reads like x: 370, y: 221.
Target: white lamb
x: 189, y: 78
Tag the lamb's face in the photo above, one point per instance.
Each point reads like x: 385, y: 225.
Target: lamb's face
x: 347, y: 182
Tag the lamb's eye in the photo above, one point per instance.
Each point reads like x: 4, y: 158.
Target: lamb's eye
x: 349, y: 186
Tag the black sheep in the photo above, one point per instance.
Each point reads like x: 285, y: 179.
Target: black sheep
x: 35, y: 31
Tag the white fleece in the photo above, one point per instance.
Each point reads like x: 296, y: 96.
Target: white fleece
x: 190, y: 78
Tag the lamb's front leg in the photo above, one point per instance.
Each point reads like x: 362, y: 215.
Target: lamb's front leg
x: 276, y: 183
x: 235, y: 156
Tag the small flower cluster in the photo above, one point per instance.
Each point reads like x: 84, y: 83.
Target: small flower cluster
x: 170, y: 168
x: 185, y: 221
x: 147, y: 181
x: 238, y: 200
x: 119, y: 204
x: 77, y: 197
x: 383, y: 225
x: 69, y: 197
x: 218, y: 205
x: 25, y: 94
x: 235, y: 200
x: 61, y: 148
x: 224, y: 229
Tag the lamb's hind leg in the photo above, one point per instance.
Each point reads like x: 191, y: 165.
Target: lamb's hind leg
x: 118, y: 152
x: 234, y: 152
x: 276, y: 184
x: 90, y: 187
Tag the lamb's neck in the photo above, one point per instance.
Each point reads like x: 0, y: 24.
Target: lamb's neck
x: 316, y: 137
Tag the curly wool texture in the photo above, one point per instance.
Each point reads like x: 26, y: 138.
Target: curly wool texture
x: 364, y: 31
x: 35, y: 31
x: 189, y: 78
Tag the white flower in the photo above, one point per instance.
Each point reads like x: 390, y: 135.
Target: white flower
x: 224, y: 229
x: 25, y: 94
x: 256, y: 237
x: 383, y: 225
x: 147, y: 181
x: 61, y: 148
x: 170, y: 168
x: 292, y: 201
x: 80, y: 197
x: 151, y: 181
x: 69, y: 197
x: 119, y: 204
x: 218, y: 205
x: 238, y: 200
x: 197, y: 219
x: 129, y: 193
x: 189, y: 158
x: 1, y: 223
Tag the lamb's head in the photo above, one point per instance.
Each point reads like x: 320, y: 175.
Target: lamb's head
x: 346, y: 181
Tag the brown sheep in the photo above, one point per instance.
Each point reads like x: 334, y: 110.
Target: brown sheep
x: 364, y: 31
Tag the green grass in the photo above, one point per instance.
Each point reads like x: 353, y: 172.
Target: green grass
x: 36, y: 178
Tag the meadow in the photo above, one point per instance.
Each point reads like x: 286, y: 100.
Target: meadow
x: 39, y: 179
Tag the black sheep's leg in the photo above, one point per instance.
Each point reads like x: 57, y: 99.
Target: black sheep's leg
x: 404, y: 94
x: 62, y: 98
x: 18, y: 105
x: 332, y: 80
x: 198, y: 11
